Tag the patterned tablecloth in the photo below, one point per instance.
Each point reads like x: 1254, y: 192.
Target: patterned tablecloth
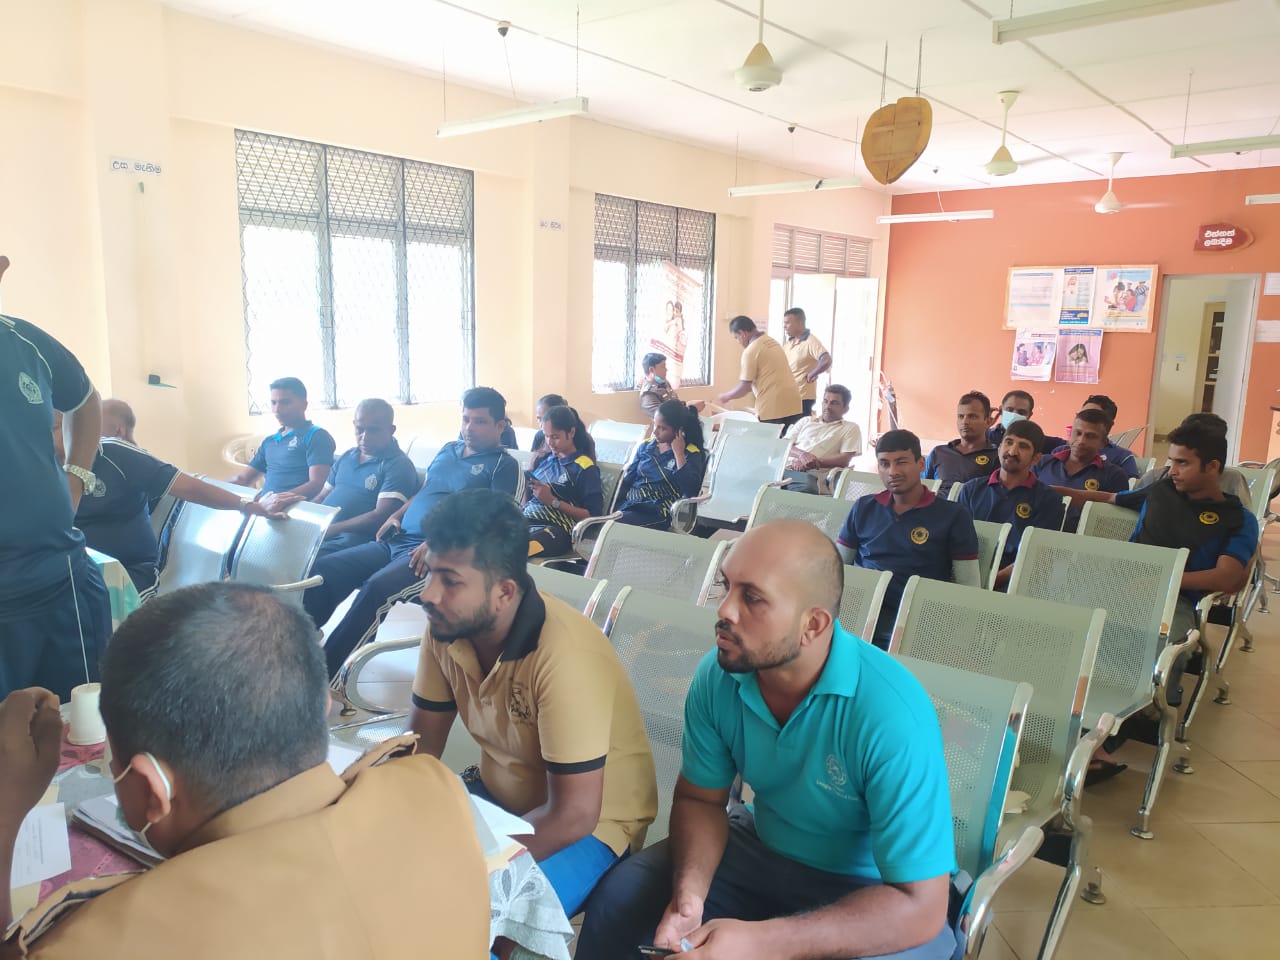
x: 124, y: 597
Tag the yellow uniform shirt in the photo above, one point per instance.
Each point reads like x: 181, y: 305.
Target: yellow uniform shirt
x: 803, y: 354
x: 764, y: 364
x: 557, y: 701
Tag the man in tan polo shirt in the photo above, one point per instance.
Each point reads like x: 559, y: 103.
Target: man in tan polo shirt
x: 766, y: 373
x: 806, y: 356
x: 215, y: 700
x: 540, y: 690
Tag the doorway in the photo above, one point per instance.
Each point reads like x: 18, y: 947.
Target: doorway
x: 1203, y: 353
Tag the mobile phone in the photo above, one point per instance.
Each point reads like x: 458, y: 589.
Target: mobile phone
x: 387, y: 534
x: 529, y: 477
x: 647, y: 950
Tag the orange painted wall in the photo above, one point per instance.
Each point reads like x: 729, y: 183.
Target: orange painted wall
x: 946, y: 286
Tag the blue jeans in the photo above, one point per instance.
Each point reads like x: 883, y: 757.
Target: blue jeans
x: 751, y: 883
x: 574, y: 871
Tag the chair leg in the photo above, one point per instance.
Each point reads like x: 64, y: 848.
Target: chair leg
x: 1066, y: 898
x: 1193, y: 701
x: 1092, y: 893
x: 1169, y: 716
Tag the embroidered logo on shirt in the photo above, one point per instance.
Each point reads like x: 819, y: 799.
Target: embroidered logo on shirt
x: 1208, y: 518
x: 1023, y: 510
x: 671, y: 464
x: 1091, y: 484
x: 518, y: 704
x: 919, y: 536
x: 371, y: 482
x: 982, y: 459
x: 293, y: 443
x: 99, y: 488
x: 477, y: 469
x: 30, y: 389
x: 835, y: 771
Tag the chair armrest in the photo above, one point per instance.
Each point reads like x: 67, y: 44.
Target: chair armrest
x: 1078, y: 766
x: 780, y: 483
x: 299, y: 585
x: 833, y: 477
x: 976, y: 915
x: 1203, y: 607
x: 349, y: 673
x: 683, y: 504
x: 582, y: 526
x: 1165, y: 661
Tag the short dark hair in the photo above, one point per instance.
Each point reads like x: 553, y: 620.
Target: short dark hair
x: 681, y: 416
x: 1027, y: 430
x: 488, y: 523
x: 741, y: 324
x: 895, y: 440
x: 292, y: 384
x: 550, y: 400
x: 1209, y: 445
x: 566, y: 418
x: 841, y: 391
x: 651, y: 360
x: 223, y: 681
x: 976, y: 396
x: 486, y: 398
x: 1210, y: 421
x: 1095, y: 417
x: 1107, y: 405
x: 1031, y: 401
x: 795, y: 312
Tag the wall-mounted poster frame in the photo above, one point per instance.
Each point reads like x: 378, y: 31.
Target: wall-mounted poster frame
x: 1123, y: 298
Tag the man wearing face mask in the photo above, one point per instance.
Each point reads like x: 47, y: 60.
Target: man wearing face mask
x: 1019, y: 405
x: 656, y: 389
x: 215, y: 702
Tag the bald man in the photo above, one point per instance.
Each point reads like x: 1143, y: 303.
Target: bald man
x: 850, y: 849
x: 116, y: 514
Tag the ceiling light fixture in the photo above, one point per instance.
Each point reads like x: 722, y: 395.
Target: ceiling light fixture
x: 1255, y: 198
x: 795, y: 186
x: 572, y: 107
x: 1241, y: 145
x: 942, y: 216
x: 1086, y: 15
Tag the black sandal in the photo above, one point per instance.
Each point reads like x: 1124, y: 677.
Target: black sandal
x: 1103, y: 772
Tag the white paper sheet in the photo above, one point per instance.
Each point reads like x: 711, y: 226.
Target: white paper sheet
x: 342, y: 756
x: 495, y: 827
x: 43, y: 849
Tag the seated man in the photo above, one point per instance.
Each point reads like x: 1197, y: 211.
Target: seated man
x: 297, y: 457
x: 907, y: 529
x: 1233, y: 481
x: 390, y: 568
x: 850, y: 847
x: 1077, y: 467
x: 820, y: 443
x: 369, y: 482
x: 972, y: 454
x: 215, y: 703
x: 540, y: 690
x: 1012, y: 494
x: 1019, y: 405
x: 115, y: 515
x: 1117, y: 456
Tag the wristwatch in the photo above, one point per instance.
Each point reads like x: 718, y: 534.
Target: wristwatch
x: 555, y: 503
x: 86, y: 477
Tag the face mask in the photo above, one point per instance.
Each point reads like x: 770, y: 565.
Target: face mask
x: 141, y: 835
x: 659, y: 380
x: 1008, y: 418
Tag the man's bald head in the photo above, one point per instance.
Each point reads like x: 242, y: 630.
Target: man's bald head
x: 118, y: 419
x: 799, y: 551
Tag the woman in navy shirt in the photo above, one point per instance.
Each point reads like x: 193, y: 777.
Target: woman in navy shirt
x: 667, y: 467
x: 564, y: 483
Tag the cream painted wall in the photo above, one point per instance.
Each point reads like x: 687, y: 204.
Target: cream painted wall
x: 1178, y: 392
x: 149, y: 282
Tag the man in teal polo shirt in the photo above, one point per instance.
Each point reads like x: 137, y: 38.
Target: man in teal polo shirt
x: 849, y: 849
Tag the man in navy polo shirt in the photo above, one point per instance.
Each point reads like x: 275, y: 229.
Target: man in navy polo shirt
x: 393, y: 567
x: 297, y: 457
x: 907, y: 529
x: 55, y: 614
x: 849, y: 847
x: 1012, y: 494
x: 1019, y: 405
x: 972, y: 454
x: 369, y: 482
x: 1111, y: 453
x: 115, y: 515
x: 1077, y: 466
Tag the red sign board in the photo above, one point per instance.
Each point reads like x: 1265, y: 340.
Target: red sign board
x: 1216, y: 237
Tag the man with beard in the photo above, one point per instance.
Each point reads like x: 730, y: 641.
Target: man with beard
x: 849, y: 850
x: 1012, y: 494
x: 540, y: 690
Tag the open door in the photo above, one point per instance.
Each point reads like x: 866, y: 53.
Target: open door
x: 853, y: 346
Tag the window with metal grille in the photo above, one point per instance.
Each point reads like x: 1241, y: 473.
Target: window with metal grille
x: 358, y: 272
x: 652, y: 292
x: 796, y: 250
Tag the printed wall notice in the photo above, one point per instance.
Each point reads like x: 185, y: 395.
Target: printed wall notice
x: 1035, y: 298
x: 1079, y: 353
x: 1077, y: 297
x: 1123, y: 297
x: 1033, y: 354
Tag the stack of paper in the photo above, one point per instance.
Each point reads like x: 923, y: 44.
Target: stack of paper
x: 496, y: 828
x: 101, y: 818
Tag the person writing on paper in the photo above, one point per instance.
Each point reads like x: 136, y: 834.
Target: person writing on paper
x: 215, y: 700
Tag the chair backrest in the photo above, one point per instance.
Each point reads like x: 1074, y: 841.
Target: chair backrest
x: 852, y: 484
x: 200, y: 542
x: 1136, y: 584
x: 740, y: 466
x: 660, y: 644
x: 524, y: 438
x: 422, y: 450
x: 1144, y: 464
x: 982, y: 721
x: 522, y: 457
x: 861, y: 600
x: 1261, y: 482
x: 1051, y: 646
x: 240, y: 451
x: 991, y: 540
x: 161, y: 512
x: 1127, y: 438
x: 631, y: 433
x: 1107, y: 521
x: 1066, y: 505
x: 954, y: 493
x: 281, y: 552
x: 581, y: 593
x: 740, y: 424
x: 615, y: 450
x: 777, y: 503
x: 610, y: 476
x: 672, y: 565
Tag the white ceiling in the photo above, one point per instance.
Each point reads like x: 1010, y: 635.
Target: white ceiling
x: 666, y: 66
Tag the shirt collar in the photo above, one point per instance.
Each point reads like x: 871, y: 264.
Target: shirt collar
x: 885, y: 498
x: 1063, y: 452
x: 522, y: 638
x: 392, y: 452
x: 282, y: 433
x: 1028, y: 481
x: 800, y: 339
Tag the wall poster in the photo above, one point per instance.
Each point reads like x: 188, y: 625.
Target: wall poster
x: 1034, y: 298
x: 1123, y: 298
x: 1079, y: 353
x: 1033, y: 354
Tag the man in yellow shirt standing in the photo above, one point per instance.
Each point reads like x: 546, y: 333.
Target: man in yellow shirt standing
x: 806, y: 356
x: 765, y: 373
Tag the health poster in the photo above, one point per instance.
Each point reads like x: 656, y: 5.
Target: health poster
x: 1077, y: 296
x: 1033, y: 354
x: 1123, y: 297
x: 1035, y: 298
x: 1079, y: 353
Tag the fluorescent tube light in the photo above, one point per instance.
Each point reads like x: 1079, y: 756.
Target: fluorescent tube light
x: 1086, y: 15
x: 1241, y: 145
x: 795, y: 186
x: 1262, y: 198
x: 940, y: 216
x: 573, y: 107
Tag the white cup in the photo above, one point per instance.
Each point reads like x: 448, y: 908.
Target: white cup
x: 86, y: 722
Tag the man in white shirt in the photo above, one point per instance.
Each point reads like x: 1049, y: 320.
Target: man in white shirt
x: 820, y: 443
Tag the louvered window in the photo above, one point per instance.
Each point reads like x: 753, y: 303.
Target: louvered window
x: 798, y: 250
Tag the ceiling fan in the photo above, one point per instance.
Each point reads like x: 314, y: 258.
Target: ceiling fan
x: 1109, y: 202
x: 1002, y: 163
x: 758, y: 72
